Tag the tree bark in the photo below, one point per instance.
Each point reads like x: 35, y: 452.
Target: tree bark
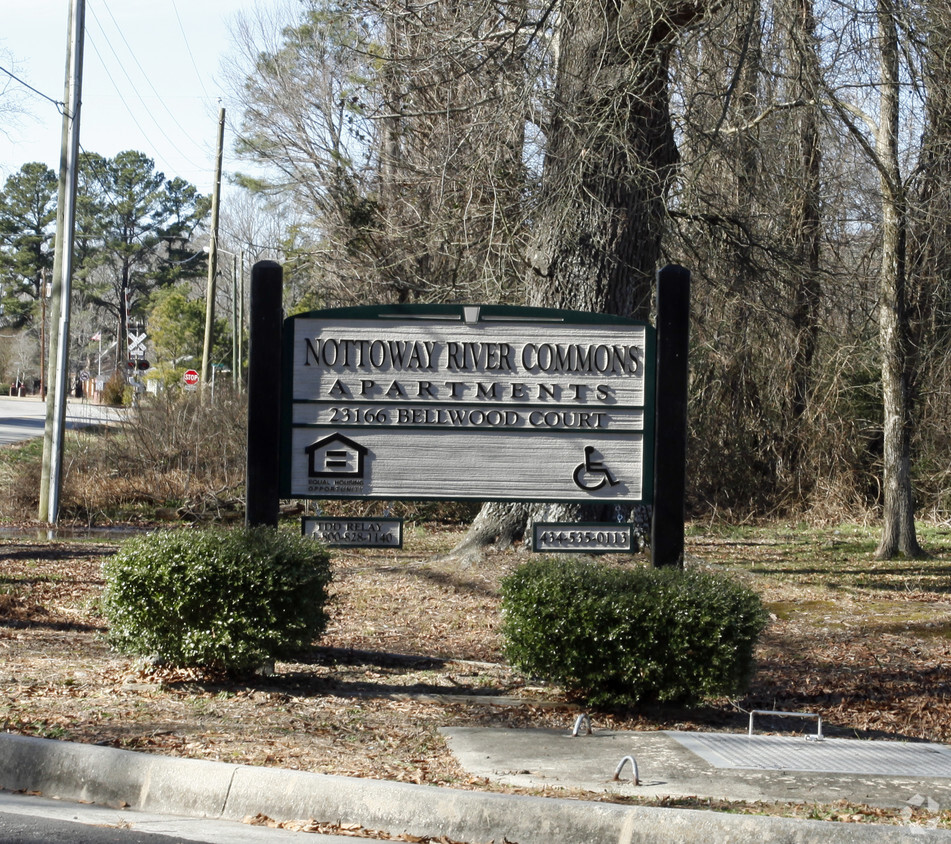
x: 898, y: 533
x: 610, y: 158
x: 609, y: 162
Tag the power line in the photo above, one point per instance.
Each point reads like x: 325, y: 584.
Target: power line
x: 148, y: 80
x: 191, y: 55
x: 135, y: 91
x: 118, y: 92
x: 60, y: 105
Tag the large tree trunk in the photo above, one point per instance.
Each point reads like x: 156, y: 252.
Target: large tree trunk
x: 609, y: 161
x: 898, y: 534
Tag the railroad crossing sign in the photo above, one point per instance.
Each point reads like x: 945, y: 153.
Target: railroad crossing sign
x: 137, y: 345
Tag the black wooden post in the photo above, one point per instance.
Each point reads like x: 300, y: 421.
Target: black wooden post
x: 670, y: 419
x: 266, y: 316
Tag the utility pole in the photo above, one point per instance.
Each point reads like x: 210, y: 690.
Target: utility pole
x: 43, y: 510
x: 212, y: 256
x: 240, y: 321
x: 50, y: 479
x: 43, y: 286
x: 234, y: 320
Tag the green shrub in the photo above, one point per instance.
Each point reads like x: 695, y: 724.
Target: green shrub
x: 621, y: 636
x: 216, y: 599
x: 114, y: 391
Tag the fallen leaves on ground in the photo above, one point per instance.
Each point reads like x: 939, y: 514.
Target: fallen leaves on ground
x: 347, y: 829
x: 414, y: 645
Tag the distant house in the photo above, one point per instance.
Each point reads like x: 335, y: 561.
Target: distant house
x: 335, y: 456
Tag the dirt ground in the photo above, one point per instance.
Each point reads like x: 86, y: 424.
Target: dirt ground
x: 413, y: 645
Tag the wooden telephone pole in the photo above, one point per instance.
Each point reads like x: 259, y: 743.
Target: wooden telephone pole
x: 212, y: 257
x: 50, y: 480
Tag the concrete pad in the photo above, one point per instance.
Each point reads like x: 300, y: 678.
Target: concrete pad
x: 550, y: 758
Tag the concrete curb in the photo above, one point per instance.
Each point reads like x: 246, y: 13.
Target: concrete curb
x: 199, y: 788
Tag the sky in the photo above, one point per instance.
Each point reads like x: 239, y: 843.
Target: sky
x: 151, y: 82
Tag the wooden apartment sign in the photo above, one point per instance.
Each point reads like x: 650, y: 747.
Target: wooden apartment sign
x: 467, y: 402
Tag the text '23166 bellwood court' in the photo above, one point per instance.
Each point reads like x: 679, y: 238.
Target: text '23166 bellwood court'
x: 467, y: 403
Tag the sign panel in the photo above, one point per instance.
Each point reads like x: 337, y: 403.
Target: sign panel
x: 355, y: 533
x: 467, y: 402
x: 136, y: 344
x: 584, y: 538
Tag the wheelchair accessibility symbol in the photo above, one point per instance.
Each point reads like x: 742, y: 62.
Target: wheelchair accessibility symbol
x: 592, y: 474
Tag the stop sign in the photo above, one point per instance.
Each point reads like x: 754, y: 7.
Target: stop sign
x: 190, y: 378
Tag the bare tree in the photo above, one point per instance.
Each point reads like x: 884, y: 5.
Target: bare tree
x: 610, y: 159
x: 929, y: 261
x: 880, y: 140
x: 403, y: 135
x: 746, y: 211
x: 452, y: 176
x: 806, y: 216
x: 898, y: 533
x: 297, y: 75
x: 12, y: 95
x: 610, y: 156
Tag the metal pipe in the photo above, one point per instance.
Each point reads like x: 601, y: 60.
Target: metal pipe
x: 583, y: 720
x: 620, y: 767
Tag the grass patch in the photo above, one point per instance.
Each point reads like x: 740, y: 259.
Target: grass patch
x: 835, y: 558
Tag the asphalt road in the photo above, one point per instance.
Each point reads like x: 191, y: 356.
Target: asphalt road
x: 22, y: 419
x: 19, y: 829
x: 35, y: 820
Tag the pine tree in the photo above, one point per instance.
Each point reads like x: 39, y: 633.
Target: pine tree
x: 27, y: 219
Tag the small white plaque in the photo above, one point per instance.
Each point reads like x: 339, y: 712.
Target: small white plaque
x: 590, y: 538
x: 355, y: 533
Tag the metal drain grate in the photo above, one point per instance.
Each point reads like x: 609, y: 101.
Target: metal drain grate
x: 831, y: 756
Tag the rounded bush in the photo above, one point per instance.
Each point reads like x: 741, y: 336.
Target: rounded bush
x: 623, y: 636
x: 218, y: 599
